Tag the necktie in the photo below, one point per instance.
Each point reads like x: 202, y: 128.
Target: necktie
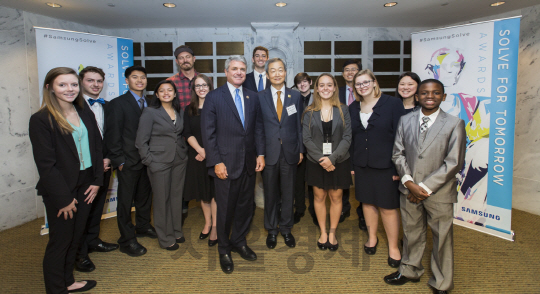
x: 279, y: 106
x: 423, y: 126
x: 261, y: 83
x: 351, y: 97
x: 238, y: 102
x: 92, y: 101
x: 141, y: 103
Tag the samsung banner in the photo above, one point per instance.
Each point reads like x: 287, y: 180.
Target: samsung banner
x: 77, y: 50
x: 477, y: 63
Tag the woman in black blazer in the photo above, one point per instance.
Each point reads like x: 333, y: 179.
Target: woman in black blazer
x: 374, y: 120
x: 407, y: 89
x: 163, y: 149
x: 326, y: 132
x: 67, y: 150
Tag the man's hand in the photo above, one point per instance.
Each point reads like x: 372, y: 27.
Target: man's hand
x: 120, y: 167
x: 221, y: 171
x: 106, y: 164
x: 260, y: 163
x: 325, y: 162
x: 301, y: 158
x: 91, y: 193
x: 68, y: 210
x: 417, y: 193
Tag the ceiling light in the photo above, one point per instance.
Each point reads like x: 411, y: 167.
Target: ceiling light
x: 54, y: 5
x: 111, y: 5
x: 169, y: 5
x: 390, y: 4
x: 497, y: 3
x: 281, y: 4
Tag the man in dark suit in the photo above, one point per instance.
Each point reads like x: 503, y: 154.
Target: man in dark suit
x: 280, y: 108
x: 133, y: 183
x: 346, y: 96
x: 233, y: 136
x: 257, y: 79
x: 92, y: 79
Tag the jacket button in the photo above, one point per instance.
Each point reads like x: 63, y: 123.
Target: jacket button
x: 420, y: 156
x: 366, y: 139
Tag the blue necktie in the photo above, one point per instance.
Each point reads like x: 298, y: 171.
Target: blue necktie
x: 238, y: 102
x: 92, y: 101
x: 261, y: 83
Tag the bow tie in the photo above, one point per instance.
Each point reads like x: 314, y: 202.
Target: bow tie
x: 92, y: 101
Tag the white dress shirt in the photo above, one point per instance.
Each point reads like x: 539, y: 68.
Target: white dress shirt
x: 432, y: 118
x: 256, y: 76
x: 233, y: 93
x: 98, y: 110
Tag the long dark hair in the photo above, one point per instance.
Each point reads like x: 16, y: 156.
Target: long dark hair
x: 193, y: 108
x: 156, y: 103
x: 413, y: 76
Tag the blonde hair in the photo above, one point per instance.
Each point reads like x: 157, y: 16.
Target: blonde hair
x: 317, y: 100
x: 376, y: 88
x: 50, y: 101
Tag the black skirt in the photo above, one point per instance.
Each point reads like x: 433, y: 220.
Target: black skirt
x: 198, y: 185
x: 340, y: 178
x: 376, y: 187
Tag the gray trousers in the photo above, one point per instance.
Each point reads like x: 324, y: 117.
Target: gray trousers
x: 167, y: 181
x: 439, y: 217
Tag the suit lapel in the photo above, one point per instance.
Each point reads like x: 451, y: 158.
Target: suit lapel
x: 133, y: 103
x: 270, y: 100
x: 287, y: 101
x: 247, y: 107
x: 376, y: 111
x: 433, y: 130
x: 166, y: 116
x: 229, y: 100
x: 414, y: 126
x: 335, y: 117
x: 316, y: 119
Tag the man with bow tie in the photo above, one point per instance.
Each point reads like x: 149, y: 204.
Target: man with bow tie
x: 92, y: 79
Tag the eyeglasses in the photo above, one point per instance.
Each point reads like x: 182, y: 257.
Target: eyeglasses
x: 347, y: 70
x: 364, y: 83
x: 203, y: 86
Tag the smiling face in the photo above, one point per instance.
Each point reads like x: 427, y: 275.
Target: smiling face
x: 430, y: 96
x: 165, y: 93
x: 349, y: 71
x: 236, y: 73
x: 259, y: 59
x: 201, y: 88
x: 276, y: 74
x: 304, y: 87
x: 365, y: 85
x: 92, y: 84
x: 136, y: 81
x: 65, y: 88
x: 407, y: 87
x: 326, y: 87
x: 185, y: 61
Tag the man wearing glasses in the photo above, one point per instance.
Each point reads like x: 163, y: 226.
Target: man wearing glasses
x: 182, y: 80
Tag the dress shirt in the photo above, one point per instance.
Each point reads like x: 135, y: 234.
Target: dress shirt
x: 137, y: 99
x: 432, y: 118
x: 98, y: 110
x: 256, y: 76
x: 275, y: 96
x: 232, y: 89
x: 347, y: 94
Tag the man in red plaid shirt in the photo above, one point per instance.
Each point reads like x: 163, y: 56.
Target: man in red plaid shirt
x: 182, y: 80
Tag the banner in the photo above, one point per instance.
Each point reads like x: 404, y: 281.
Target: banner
x: 56, y: 48
x: 477, y: 63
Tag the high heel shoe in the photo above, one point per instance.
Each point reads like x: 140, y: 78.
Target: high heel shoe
x: 371, y: 250
x: 212, y: 242
x: 204, y: 236
x: 393, y: 263
x: 322, y: 246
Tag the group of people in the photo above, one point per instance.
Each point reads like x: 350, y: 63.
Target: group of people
x: 191, y: 141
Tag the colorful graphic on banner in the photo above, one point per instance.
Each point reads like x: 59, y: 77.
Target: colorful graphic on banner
x: 477, y: 63
x: 77, y: 50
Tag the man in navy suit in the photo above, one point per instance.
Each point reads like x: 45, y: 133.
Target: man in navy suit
x: 346, y: 96
x: 281, y: 114
x: 233, y: 136
x: 257, y: 79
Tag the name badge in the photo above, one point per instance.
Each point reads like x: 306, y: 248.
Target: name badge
x: 327, y: 148
x: 291, y: 110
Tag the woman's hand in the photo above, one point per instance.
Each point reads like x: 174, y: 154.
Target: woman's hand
x: 395, y: 178
x: 68, y: 210
x: 91, y: 193
x: 325, y: 162
x: 202, y: 154
x: 330, y: 168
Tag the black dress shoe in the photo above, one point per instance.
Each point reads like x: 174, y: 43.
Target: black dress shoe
x: 84, y: 264
x: 173, y: 247
x: 362, y: 224
x: 330, y: 246
x: 204, y: 236
x: 397, y: 279
x: 371, y: 250
x: 212, y: 242
x: 321, y: 246
x: 393, y: 263
x: 271, y: 241
x: 245, y: 252
x: 90, y: 284
x: 181, y: 239
x: 150, y: 233
x: 437, y: 291
x: 103, y: 247
x: 134, y: 249
x: 344, y: 215
x: 289, y: 240
x: 298, y: 217
x: 227, y: 265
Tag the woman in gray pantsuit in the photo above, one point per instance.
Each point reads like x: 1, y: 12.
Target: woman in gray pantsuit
x: 164, y: 151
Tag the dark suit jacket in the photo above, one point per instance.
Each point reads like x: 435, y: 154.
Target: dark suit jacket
x: 250, y: 82
x: 122, y: 121
x: 158, y: 139
x: 57, y: 159
x: 312, y: 134
x: 288, y: 132
x: 104, y: 145
x: 225, y: 139
x: 372, y: 147
x: 342, y: 94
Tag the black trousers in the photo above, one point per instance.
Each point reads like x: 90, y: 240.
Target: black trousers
x: 64, y: 238
x: 133, y: 187
x: 234, y: 199
x: 300, y: 188
x: 91, y: 233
